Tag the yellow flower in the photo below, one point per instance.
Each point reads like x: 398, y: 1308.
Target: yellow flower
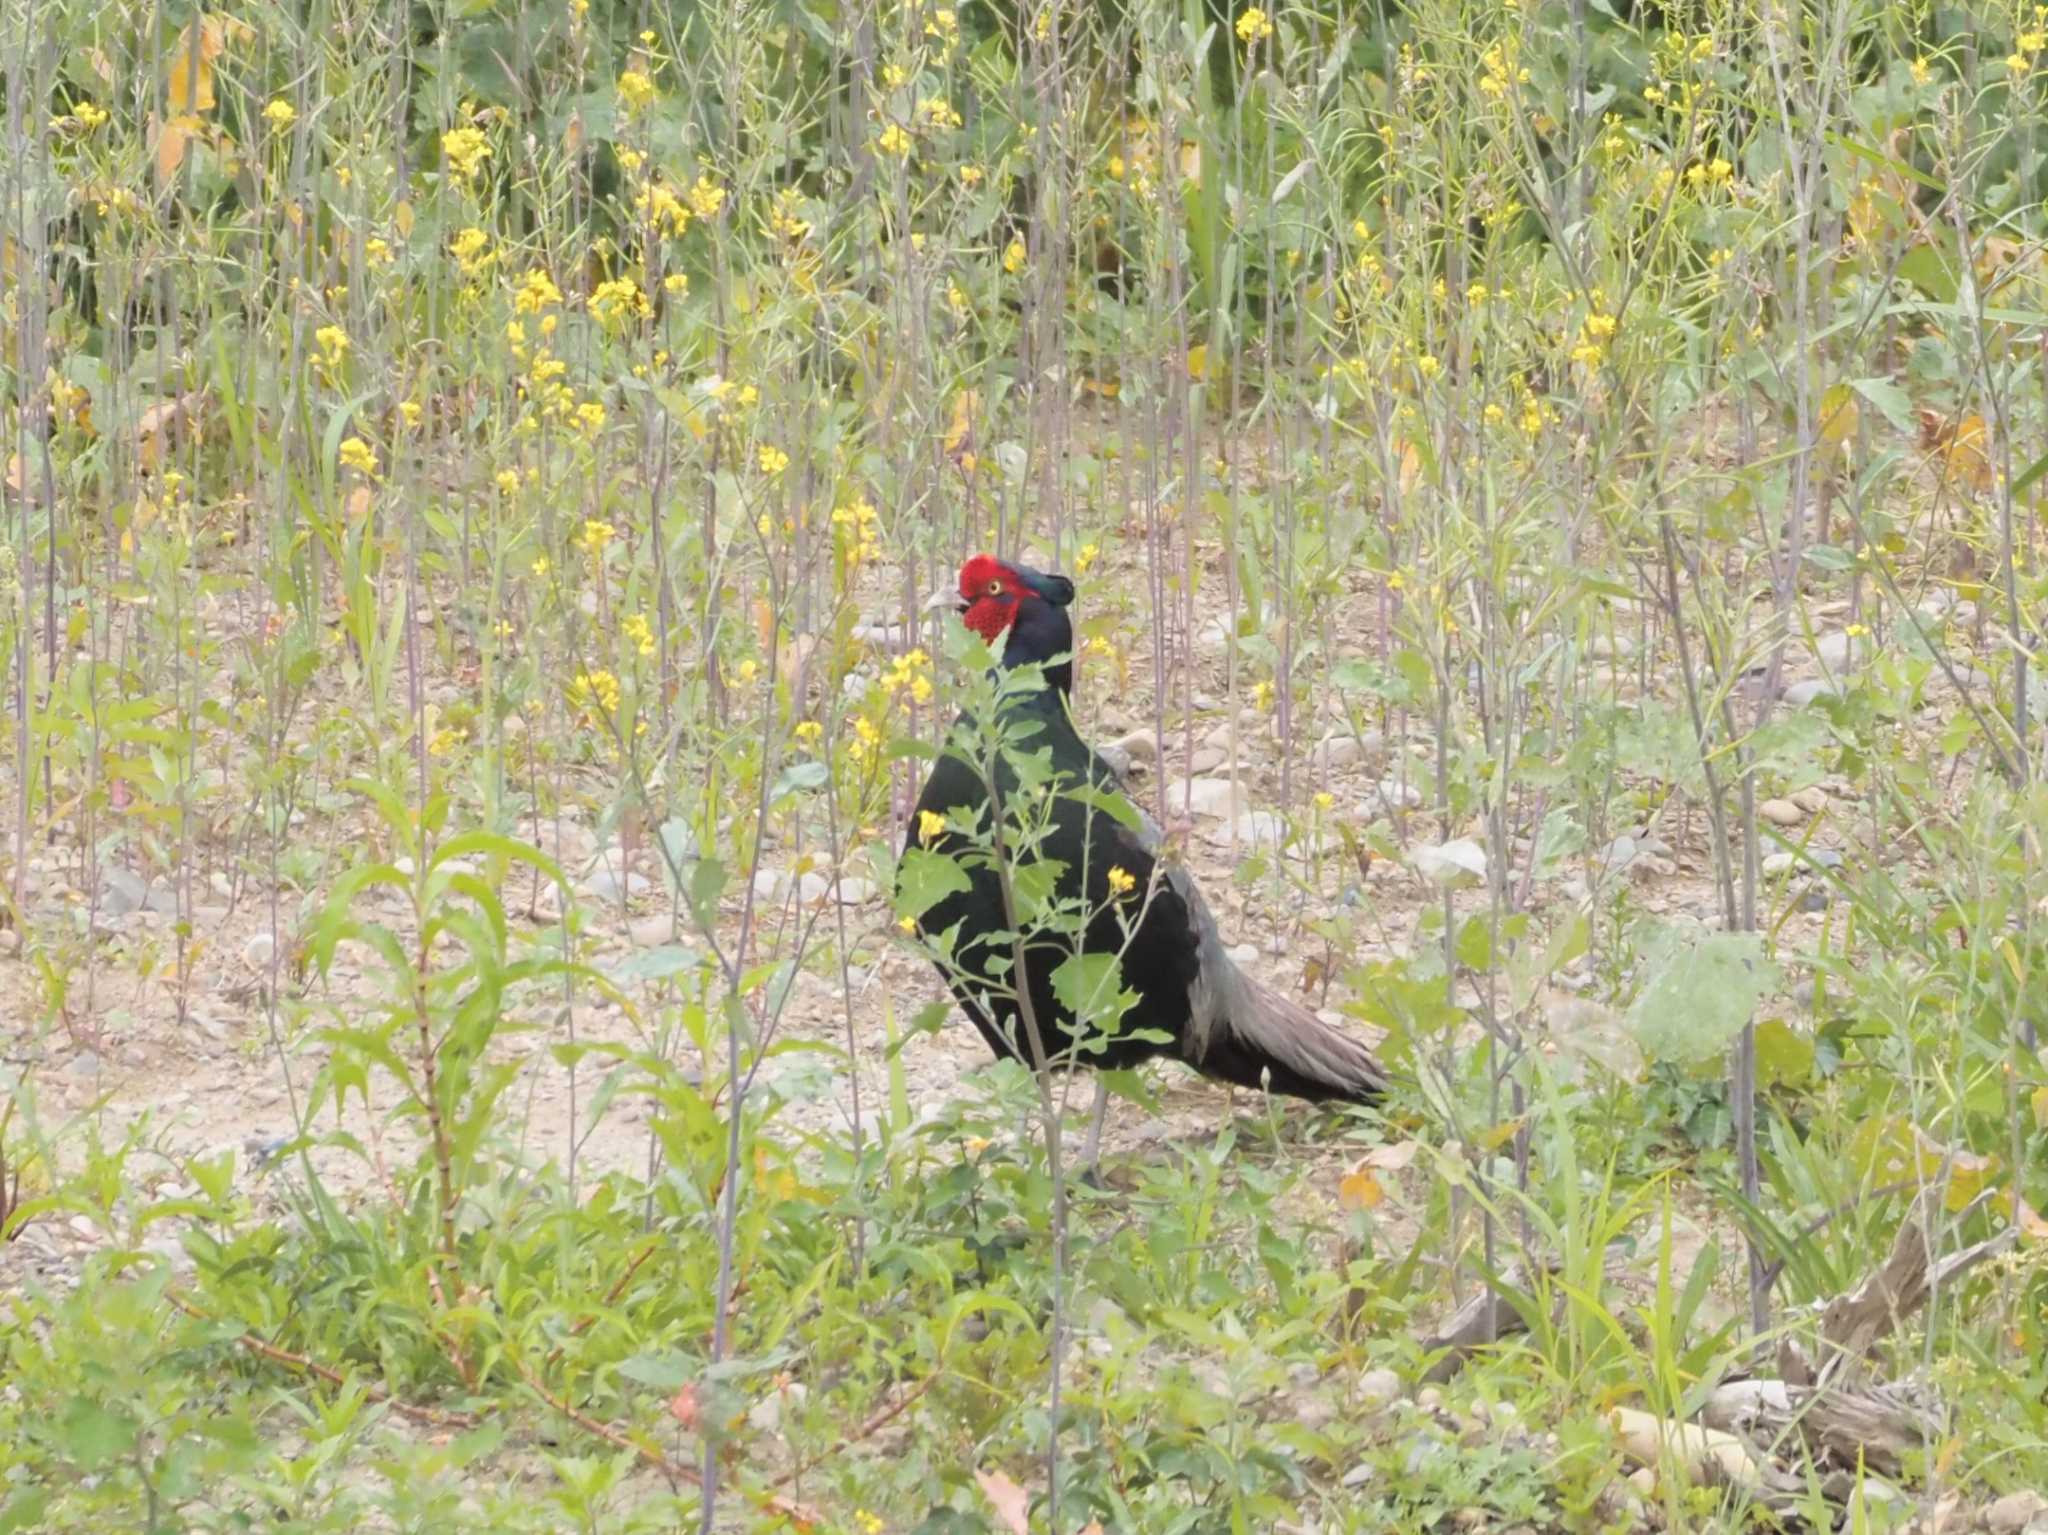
x: 465, y: 150
x: 1253, y: 24
x: 537, y: 291
x: 809, y: 732
x: 640, y: 633
x: 359, y: 456
x: 540, y: 566
x: 595, y: 536
x: 635, y: 90
x: 590, y: 416
x: 1395, y: 581
x: 508, y: 484
x: 970, y: 175
x: 944, y: 25
x: 1014, y: 256
x: 280, y: 113
x: 773, y: 459
x: 1428, y: 366
x: 1121, y: 881
x: 1326, y: 801
x: 935, y: 112
x: 676, y: 283
x: 470, y: 248
x: 618, y: 300
x: 1922, y: 71
x: 894, y: 141
x: 930, y: 824
x: 333, y: 343
x: 1085, y: 557
x: 410, y: 410
x: 593, y: 692
x: 706, y: 198
x: 909, y: 927
x: 376, y: 251
x: 2016, y: 64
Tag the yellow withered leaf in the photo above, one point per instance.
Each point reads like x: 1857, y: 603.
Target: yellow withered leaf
x: 1360, y: 1189
x: 188, y: 86
x: 1198, y: 362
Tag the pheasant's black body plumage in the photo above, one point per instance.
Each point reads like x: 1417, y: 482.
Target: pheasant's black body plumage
x: 1193, y: 1003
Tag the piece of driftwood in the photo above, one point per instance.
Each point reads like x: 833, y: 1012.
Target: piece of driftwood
x: 1855, y: 1322
x: 1877, y: 1425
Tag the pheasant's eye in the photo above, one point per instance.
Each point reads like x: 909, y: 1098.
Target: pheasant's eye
x: 995, y: 588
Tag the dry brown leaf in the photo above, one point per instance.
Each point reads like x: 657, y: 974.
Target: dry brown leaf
x: 1008, y: 1500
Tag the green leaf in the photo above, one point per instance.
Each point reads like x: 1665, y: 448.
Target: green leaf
x: 92, y: 1434
x: 925, y: 878
x: 1889, y: 398
x: 1087, y: 985
x: 1703, y: 988
x: 1109, y: 802
x: 1784, y: 1056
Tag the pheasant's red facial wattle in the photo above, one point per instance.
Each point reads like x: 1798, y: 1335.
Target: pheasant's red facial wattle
x: 989, y: 591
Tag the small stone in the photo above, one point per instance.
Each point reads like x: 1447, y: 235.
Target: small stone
x: 768, y: 885
x: 1118, y: 760
x: 1781, y: 812
x: 1378, y: 1387
x: 1429, y: 1399
x: 767, y: 1415
x: 1837, y: 651
x: 121, y: 892
x: 259, y: 951
x: 2013, y: 1513
x: 1359, y: 1474
x: 84, y: 1064
x: 1813, y: 898
x: 1809, y: 690
x: 1217, y: 798
x: 1138, y: 745
x: 1338, y: 751
x: 854, y: 891
x: 1643, y: 1481
x: 1243, y: 953
x: 404, y: 865
x: 1260, y: 826
x: 605, y: 884
x: 1207, y: 759
x: 1776, y: 864
x: 1812, y: 799
x: 1392, y: 794
x: 652, y: 932
x: 81, y: 1226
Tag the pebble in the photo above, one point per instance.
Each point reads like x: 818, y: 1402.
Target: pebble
x: 604, y: 884
x: 1809, y: 690
x: 1380, y: 1386
x: 1259, y: 826
x: 1812, y: 799
x: 1138, y: 745
x: 1217, y: 798
x: 84, y: 1064
x: 1207, y: 759
x: 1836, y: 651
x: 1429, y: 1399
x: 2014, y: 1513
x: 121, y: 892
x: 259, y: 951
x: 1781, y: 812
x: 1392, y: 792
x: 1242, y: 953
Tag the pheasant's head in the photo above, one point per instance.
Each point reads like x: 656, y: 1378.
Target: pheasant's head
x: 995, y: 596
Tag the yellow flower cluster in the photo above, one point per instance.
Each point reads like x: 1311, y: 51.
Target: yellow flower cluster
x: 595, y: 692
x: 861, y: 529
x: 1594, y: 337
x: 465, y: 150
x: 333, y: 343
x: 662, y: 208
x: 930, y: 825
x: 471, y: 249
x: 706, y: 198
x: 773, y: 460
x: 1499, y: 73
x: 636, y: 90
x: 1254, y: 25
x: 910, y: 673
x: 595, y: 535
x: 639, y: 633
x: 358, y: 455
x: 536, y: 292
x: 617, y: 301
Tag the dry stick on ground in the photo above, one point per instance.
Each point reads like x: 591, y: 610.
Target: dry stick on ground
x: 263, y: 1348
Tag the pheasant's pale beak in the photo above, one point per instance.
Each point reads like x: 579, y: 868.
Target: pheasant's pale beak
x: 940, y: 600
